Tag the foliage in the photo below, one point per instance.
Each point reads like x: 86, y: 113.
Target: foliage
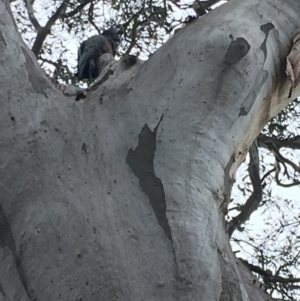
x: 270, y: 238
x: 147, y: 25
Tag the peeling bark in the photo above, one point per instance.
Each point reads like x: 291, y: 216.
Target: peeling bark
x: 87, y: 221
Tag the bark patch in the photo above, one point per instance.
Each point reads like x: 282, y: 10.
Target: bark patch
x: 247, y: 104
x: 266, y: 28
x: 237, y: 50
x: 140, y: 161
x: 7, y: 240
x: 38, y: 82
x: 2, y: 39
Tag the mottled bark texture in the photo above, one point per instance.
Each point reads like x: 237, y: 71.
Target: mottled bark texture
x: 117, y: 196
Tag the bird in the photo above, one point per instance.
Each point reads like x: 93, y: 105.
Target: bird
x: 93, y: 48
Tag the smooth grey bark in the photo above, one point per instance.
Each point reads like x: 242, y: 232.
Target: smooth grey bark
x: 118, y: 196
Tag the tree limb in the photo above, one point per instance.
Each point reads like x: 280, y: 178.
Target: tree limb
x: 292, y: 143
x: 44, y: 31
x: 267, y: 174
x: 91, y: 12
x: 273, y: 145
x: 77, y: 9
x: 134, y: 33
x: 256, y: 197
x: 31, y: 15
x: 268, y: 273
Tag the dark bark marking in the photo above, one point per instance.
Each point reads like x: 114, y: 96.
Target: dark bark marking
x: 38, y: 82
x: 84, y: 147
x: 237, y: 50
x: 243, y: 111
x: 247, y: 104
x: 266, y: 28
x: 140, y: 161
x: 2, y: 290
x: 7, y: 240
x: 2, y: 39
x: 80, y: 96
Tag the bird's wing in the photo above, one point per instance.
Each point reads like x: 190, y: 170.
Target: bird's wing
x: 89, y: 50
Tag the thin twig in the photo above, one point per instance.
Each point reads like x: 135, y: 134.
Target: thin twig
x: 77, y: 9
x: 91, y: 12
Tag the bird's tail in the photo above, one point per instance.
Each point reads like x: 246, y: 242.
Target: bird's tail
x: 86, y: 70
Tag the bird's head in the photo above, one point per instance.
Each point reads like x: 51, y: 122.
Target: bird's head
x: 114, y: 33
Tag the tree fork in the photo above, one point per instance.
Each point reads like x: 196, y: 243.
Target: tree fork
x: 76, y: 221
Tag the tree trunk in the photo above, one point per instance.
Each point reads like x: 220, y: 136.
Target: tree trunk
x: 118, y: 196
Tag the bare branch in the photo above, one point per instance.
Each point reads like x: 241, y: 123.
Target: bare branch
x: 134, y: 33
x: 56, y: 15
x: 256, y: 197
x: 272, y: 145
x: 267, y: 174
x: 91, y: 12
x: 268, y: 274
x: 55, y: 64
x: 77, y: 9
x: 31, y: 15
x: 44, y: 31
x: 286, y: 185
x: 255, y: 268
x: 288, y: 263
x: 271, y: 281
x: 292, y: 143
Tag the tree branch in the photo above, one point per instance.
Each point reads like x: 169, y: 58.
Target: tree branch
x: 268, y: 273
x: 91, y: 13
x: 292, y: 143
x: 285, y: 185
x: 31, y: 15
x: 267, y: 174
x: 77, y: 9
x: 256, y: 197
x: 134, y: 33
x: 273, y: 145
x: 44, y: 31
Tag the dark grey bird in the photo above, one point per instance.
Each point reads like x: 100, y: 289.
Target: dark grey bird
x: 93, y: 48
